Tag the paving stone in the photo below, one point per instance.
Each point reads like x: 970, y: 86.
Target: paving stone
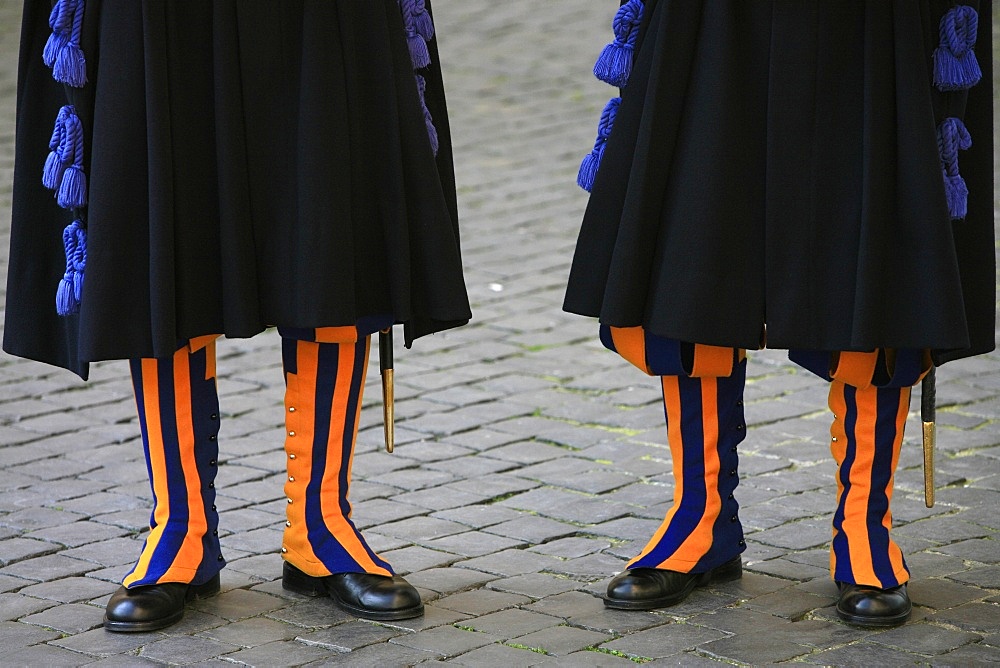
x: 421, y: 528
x: 445, y: 641
x: 279, y: 653
x: 47, y: 568
x: 239, y: 604
x: 597, y: 659
x: 535, y: 585
x: 987, y: 577
x: 185, y: 650
x: 310, y: 613
x: 77, y: 533
x: 45, y: 655
x: 512, y: 562
x: 969, y: 655
x: 590, y: 566
x: 378, y: 656
x: 507, y: 624
x: 561, y: 640
x: 499, y: 655
x: 100, y: 643
x: 473, y: 543
x: 478, y: 516
x: 662, y: 641
x: 984, y: 617
x: 30, y: 519
x: 434, y: 616
x: 568, y: 605
x: 533, y: 529
x: 349, y: 636
x: 924, y: 638
x: 251, y: 632
x: 16, y: 549
x: 481, y: 601
x: 449, y: 580
x: 940, y: 594
x: 754, y: 649
x: 788, y: 603
x: 14, y: 635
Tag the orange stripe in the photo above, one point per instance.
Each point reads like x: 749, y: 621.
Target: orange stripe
x: 838, y: 445
x: 712, y: 361
x: 347, y: 334
x: 699, y: 541
x: 855, y: 368
x: 335, y: 521
x: 189, y: 556
x: 675, y: 439
x: 630, y: 342
x: 154, y: 436
x: 301, y: 394
x: 856, y: 509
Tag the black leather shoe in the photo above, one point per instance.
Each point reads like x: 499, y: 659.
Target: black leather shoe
x: 366, y: 595
x: 870, y: 606
x: 153, y: 607
x: 648, y: 588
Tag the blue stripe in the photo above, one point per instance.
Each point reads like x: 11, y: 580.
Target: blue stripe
x: 841, y: 548
x: 205, y: 403
x: 878, y: 500
x: 727, y: 535
x: 693, y: 500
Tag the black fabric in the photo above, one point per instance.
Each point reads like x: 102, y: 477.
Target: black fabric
x: 775, y: 164
x: 251, y: 163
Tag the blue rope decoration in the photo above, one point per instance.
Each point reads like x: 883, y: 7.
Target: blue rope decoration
x: 432, y: 134
x: 952, y: 137
x: 955, y: 64
x: 592, y: 161
x: 63, y: 171
x: 419, y: 29
x: 614, y: 65
x: 71, y: 286
x: 62, y: 50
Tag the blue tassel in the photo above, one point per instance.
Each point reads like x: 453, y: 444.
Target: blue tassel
x: 63, y: 170
x: 56, y: 42
x: 953, y: 136
x: 592, y: 161
x: 614, y: 65
x: 70, y: 289
x: 419, y: 53
x: 422, y: 22
x: 955, y: 63
x: 57, y: 160
x: 432, y: 134
x: 62, y: 50
x: 73, y: 189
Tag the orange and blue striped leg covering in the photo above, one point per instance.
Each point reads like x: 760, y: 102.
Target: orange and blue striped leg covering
x: 324, y: 384
x: 704, y: 425
x: 866, y: 437
x: 178, y: 407
x: 703, y: 403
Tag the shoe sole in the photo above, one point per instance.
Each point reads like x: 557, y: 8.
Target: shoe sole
x: 724, y: 573
x: 210, y: 588
x: 873, y: 622
x: 300, y: 583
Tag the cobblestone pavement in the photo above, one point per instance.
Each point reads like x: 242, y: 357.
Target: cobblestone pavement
x: 530, y: 463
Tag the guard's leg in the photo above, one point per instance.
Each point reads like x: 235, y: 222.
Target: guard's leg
x: 324, y: 552
x: 701, y: 537
x: 178, y: 410
x: 870, y: 399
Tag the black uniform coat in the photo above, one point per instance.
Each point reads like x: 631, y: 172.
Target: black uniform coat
x: 251, y: 163
x: 775, y: 164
